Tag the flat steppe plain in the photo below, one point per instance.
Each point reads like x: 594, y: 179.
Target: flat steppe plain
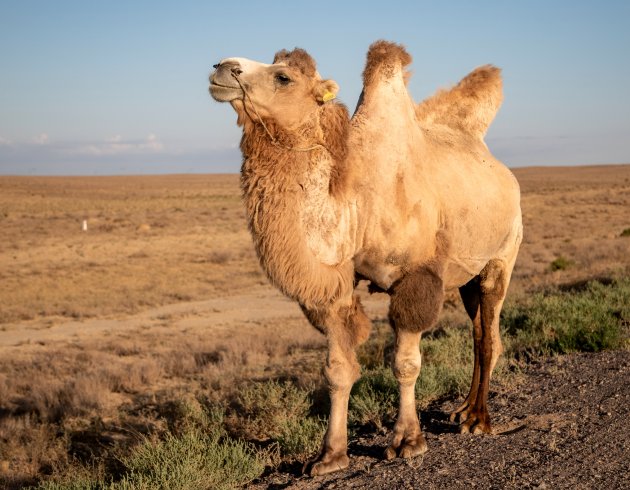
x: 162, y: 296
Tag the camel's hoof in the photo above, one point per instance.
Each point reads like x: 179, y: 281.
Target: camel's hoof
x: 329, y: 463
x: 461, y: 413
x: 475, y: 425
x: 459, y: 417
x: 410, y: 448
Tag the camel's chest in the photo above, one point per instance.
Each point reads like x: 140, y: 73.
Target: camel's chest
x: 329, y: 225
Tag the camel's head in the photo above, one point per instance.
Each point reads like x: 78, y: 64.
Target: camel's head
x: 287, y: 91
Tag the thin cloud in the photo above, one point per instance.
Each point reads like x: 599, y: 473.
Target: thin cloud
x: 117, y: 145
x: 41, y: 139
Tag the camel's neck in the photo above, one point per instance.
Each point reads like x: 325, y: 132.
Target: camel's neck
x: 299, y: 218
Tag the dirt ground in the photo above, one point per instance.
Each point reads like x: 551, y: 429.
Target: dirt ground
x: 566, y: 426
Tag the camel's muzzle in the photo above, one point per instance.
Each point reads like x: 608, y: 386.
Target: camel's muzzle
x: 223, y: 84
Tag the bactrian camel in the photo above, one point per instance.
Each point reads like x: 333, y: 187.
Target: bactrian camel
x: 403, y: 195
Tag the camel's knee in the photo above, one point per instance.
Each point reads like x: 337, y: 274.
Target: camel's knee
x: 407, y: 359
x: 349, y: 324
x: 407, y: 368
x: 417, y: 300
x: 341, y: 373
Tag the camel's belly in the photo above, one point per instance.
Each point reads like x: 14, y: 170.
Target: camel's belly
x: 457, y: 273
x: 376, y: 270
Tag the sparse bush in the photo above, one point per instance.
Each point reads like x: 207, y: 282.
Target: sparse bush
x: 200, y: 457
x: 446, y: 364
x: 591, y: 320
x: 279, y: 412
x: 625, y: 232
x: 561, y: 263
x: 301, y: 438
x: 194, y: 460
x: 374, y: 397
x: 85, y: 483
x: 376, y: 351
x: 265, y: 408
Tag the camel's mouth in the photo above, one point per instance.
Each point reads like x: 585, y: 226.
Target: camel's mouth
x: 219, y: 85
x: 224, y: 93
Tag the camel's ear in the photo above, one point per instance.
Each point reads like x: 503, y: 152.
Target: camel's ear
x: 326, y: 90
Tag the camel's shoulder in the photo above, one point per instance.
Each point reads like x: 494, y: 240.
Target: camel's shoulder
x: 470, y: 106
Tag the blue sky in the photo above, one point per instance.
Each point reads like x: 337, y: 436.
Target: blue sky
x: 121, y: 87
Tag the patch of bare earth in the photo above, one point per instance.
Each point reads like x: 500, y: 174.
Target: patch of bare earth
x: 566, y: 426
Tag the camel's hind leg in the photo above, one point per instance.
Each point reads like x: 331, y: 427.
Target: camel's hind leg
x: 483, y: 298
x: 345, y: 329
x: 415, y: 306
x: 471, y: 297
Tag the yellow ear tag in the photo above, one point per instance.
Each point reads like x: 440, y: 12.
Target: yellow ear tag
x: 328, y: 96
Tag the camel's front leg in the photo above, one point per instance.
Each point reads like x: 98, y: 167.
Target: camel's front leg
x: 342, y: 370
x: 408, y: 440
x: 414, y: 307
x: 345, y: 329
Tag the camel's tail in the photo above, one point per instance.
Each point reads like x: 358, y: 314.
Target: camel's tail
x: 470, y: 106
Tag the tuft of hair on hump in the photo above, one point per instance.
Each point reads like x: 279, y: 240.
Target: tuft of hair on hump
x: 298, y: 58
x: 470, y: 106
x: 385, y: 58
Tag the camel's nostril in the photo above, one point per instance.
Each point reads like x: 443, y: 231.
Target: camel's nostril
x: 237, y: 71
x: 216, y: 66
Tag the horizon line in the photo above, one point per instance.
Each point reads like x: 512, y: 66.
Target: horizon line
x: 148, y: 174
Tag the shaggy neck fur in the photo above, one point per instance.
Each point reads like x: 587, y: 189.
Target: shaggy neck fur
x: 278, y: 188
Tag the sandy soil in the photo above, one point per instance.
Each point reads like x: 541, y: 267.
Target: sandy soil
x: 219, y: 315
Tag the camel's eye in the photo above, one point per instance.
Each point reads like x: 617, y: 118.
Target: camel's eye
x: 282, y: 79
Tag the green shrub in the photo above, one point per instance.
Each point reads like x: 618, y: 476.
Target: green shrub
x: 280, y: 412
x: 194, y: 460
x: 78, y: 484
x: 561, y: 263
x: 625, y: 232
x: 200, y: 457
x: 591, y: 320
x: 374, y: 397
x: 266, y: 408
x: 300, y: 439
x: 447, y: 358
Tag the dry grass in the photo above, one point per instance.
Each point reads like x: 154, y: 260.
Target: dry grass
x: 150, y: 241
x: 161, y: 240
x: 577, y: 214
x: 51, y: 396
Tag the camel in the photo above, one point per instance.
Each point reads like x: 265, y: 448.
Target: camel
x: 406, y: 196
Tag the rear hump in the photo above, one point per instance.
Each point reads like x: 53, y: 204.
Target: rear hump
x: 470, y: 106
